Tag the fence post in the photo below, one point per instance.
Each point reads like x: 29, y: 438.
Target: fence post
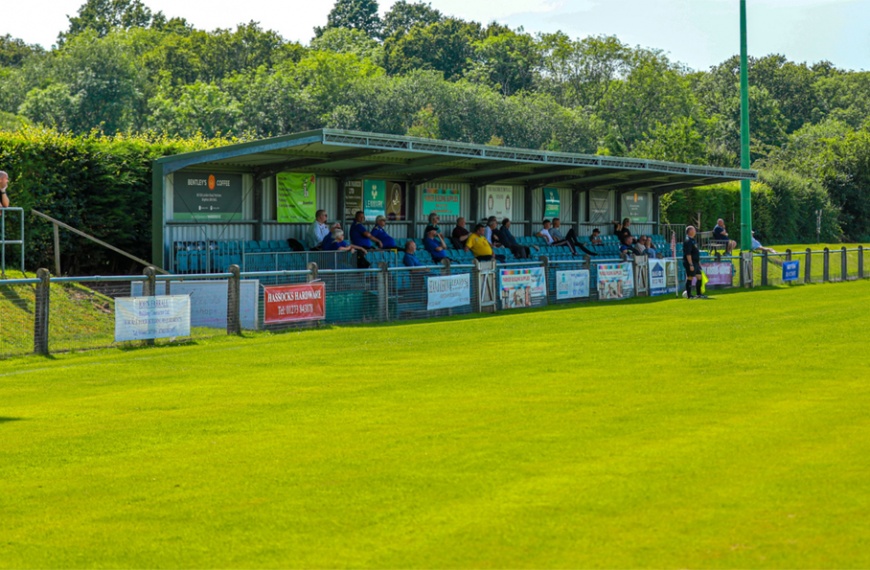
x: 56, y: 249
x: 41, y: 312
x: 860, y: 262
x: 844, y: 264
x: 383, y: 291
x: 788, y: 255
x: 808, y: 267
x: 149, y: 289
x: 475, y: 285
x: 545, y: 264
x: 826, y: 267
x: 764, y: 262
x: 234, y: 291
x: 746, y: 269
x: 312, y: 275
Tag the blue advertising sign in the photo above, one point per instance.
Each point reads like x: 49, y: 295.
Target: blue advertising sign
x: 791, y: 270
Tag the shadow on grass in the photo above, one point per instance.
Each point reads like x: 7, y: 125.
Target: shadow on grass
x: 4, y: 419
x: 12, y: 296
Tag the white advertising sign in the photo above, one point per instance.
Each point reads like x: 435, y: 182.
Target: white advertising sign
x: 498, y: 202
x: 144, y: 318
x: 572, y: 284
x: 208, y: 301
x: 449, y: 291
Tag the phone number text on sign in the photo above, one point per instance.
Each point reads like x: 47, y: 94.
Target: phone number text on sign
x: 289, y: 303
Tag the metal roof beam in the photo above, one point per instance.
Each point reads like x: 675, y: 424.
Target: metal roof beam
x: 397, y: 167
x: 319, y: 161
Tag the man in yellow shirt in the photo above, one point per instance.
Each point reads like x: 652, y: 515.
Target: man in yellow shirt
x: 478, y: 244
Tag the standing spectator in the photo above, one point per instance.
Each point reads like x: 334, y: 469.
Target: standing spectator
x: 317, y: 231
x: 478, y: 244
x: 434, y: 244
x: 380, y: 233
x: 621, y: 230
x: 410, y: 259
x: 546, y: 233
x: 460, y: 234
x: 4, y: 182
x: 508, y: 239
x: 720, y: 237
x: 692, y: 264
x: 359, y: 235
x: 433, y: 224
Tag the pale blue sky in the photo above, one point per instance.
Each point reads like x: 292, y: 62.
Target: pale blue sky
x: 698, y: 33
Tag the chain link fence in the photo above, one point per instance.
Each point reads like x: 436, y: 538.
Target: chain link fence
x: 46, y: 315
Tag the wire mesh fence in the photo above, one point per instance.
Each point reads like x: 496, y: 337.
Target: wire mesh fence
x: 46, y: 314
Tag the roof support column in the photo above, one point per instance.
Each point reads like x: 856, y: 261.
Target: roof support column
x: 528, y: 208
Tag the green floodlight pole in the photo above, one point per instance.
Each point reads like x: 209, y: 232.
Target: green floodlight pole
x: 745, y: 163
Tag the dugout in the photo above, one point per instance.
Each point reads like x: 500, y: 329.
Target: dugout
x: 268, y: 190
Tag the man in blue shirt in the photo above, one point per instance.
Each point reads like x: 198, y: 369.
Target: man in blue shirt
x: 410, y: 259
x: 434, y: 244
x: 359, y: 235
x: 379, y: 232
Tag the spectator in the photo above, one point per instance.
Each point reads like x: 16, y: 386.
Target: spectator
x: 460, y: 234
x: 621, y: 230
x: 433, y: 224
x: 410, y: 259
x: 627, y: 247
x: 720, y: 237
x: 359, y: 235
x: 570, y: 237
x: 380, y: 232
x: 478, y: 244
x: 4, y: 182
x: 595, y: 238
x: 546, y: 233
x: 640, y: 246
x: 492, y: 234
x: 434, y: 244
x: 335, y: 242
x: 651, y: 250
x: 756, y: 246
x: 317, y: 231
x: 509, y: 241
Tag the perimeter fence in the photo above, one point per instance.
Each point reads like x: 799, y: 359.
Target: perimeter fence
x: 46, y: 314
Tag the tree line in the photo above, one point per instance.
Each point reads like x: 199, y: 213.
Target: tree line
x: 122, y: 69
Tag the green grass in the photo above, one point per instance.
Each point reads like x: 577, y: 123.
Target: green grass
x: 728, y: 433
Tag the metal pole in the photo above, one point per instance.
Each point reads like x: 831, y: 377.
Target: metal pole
x: 56, y: 249
x: 745, y: 161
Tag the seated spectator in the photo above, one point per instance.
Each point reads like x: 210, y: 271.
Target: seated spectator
x: 640, y: 245
x: 570, y: 237
x: 478, y: 245
x: 756, y: 246
x: 651, y: 250
x: 359, y: 235
x: 410, y: 259
x: 621, y: 230
x: 434, y: 244
x: 380, y: 233
x: 335, y: 242
x: 492, y: 234
x: 546, y: 233
x: 460, y: 234
x: 595, y: 237
x: 433, y: 224
x: 317, y: 231
x: 720, y: 237
x: 627, y: 246
x: 509, y: 241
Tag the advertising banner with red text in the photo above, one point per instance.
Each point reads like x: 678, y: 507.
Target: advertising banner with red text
x: 291, y: 303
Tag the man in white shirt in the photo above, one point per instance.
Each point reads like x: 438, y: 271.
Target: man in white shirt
x: 317, y: 231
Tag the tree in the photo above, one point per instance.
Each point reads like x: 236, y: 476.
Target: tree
x: 103, y: 16
x: 406, y: 15
x: 13, y: 51
x: 679, y: 141
x: 345, y: 40
x: 508, y: 61
x: 446, y: 46
x: 353, y: 14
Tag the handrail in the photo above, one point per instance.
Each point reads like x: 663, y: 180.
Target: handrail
x: 98, y: 241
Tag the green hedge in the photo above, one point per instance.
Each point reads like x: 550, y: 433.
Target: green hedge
x: 784, y: 208
x: 100, y: 185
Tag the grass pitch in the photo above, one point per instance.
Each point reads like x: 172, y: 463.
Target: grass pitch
x: 726, y: 433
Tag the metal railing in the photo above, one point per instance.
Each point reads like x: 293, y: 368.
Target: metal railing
x: 4, y: 242
x: 55, y: 314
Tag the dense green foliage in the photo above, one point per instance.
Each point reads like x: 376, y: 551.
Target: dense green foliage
x: 691, y: 455
x: 120, y: 68
x: 96, y: 183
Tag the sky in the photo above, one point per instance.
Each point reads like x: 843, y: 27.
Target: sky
x: 697, y: 33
